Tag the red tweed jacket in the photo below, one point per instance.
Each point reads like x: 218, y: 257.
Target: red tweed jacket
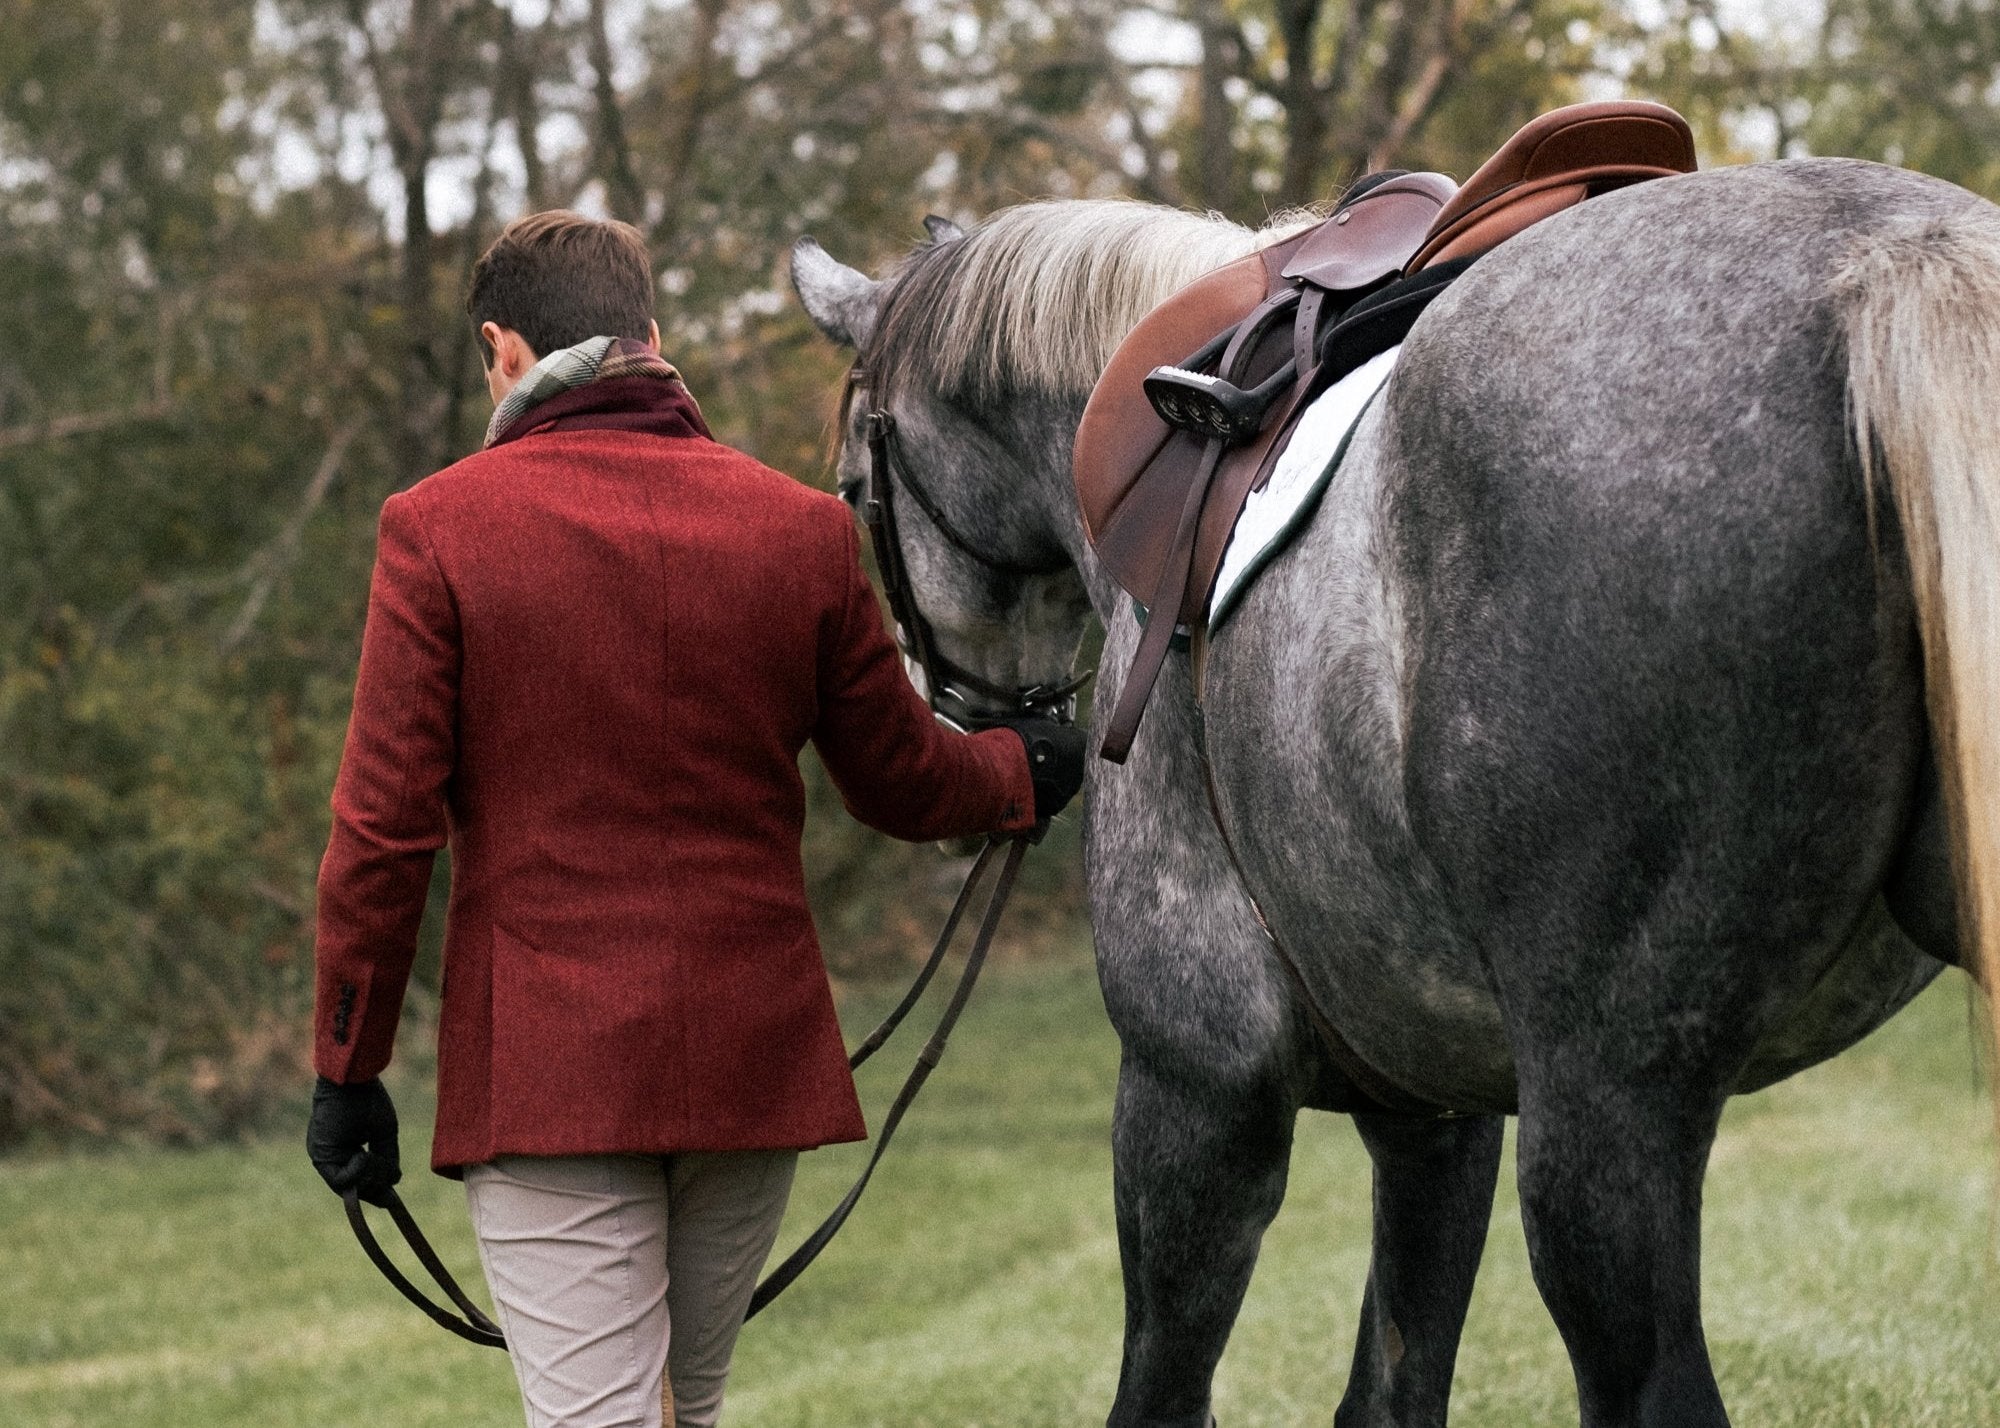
x: 593, y: 655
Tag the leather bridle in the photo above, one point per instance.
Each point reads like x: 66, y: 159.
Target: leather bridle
x: 946, y: 682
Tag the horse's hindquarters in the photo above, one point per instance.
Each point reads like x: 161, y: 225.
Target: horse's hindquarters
x: 1586, y: 695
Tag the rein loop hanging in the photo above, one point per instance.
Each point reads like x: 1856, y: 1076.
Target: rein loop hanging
x: 796, y: 1262
x: 474, y: 1326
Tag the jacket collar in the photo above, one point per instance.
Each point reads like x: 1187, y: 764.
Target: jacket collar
x: 645, y: 404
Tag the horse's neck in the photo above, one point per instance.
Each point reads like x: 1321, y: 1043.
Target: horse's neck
x: 1045, y: 430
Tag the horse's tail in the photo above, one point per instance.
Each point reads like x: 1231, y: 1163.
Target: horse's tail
x: 1921, y: 306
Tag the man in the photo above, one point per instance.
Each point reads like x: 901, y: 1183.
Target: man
x: 594, y: 651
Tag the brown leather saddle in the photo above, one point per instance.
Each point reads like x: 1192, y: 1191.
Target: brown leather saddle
x: 1199, y: 400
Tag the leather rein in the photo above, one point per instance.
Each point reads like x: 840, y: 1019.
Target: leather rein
x: 945, y: 686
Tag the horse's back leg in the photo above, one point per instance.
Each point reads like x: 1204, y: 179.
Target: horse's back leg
x: 1610, y: 1166
x: 1434, y: 1183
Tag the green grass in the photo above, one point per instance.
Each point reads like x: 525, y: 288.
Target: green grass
x: 1850, y: 1270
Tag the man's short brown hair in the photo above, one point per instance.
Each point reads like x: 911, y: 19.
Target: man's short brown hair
x: 558, y: 279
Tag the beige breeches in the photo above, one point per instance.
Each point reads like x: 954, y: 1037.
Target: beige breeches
x: 621, y: 1280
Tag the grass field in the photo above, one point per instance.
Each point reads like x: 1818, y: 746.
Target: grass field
x: 1850, y: 1270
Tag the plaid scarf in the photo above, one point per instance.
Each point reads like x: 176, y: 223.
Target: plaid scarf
x: 596, y: 360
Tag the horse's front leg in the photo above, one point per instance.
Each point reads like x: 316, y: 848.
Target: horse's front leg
x: 1200, y: 1168
x: 1216, y: 1061
x: 1434, y: 1183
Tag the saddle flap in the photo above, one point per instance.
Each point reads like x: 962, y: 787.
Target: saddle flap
x: 1121, y: 434
x: 1132, y: 471
x: 1373, y: 237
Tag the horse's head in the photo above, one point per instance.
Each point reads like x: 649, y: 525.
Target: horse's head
x: 963, y: 481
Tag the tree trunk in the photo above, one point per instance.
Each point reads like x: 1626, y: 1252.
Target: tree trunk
x: 519, y: 69
x: 1305, y: 102
x: 1215, y: 157
x: 628, y: 199
x: 413, y: 79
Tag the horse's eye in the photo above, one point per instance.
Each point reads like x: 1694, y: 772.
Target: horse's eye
x: 850, y: 492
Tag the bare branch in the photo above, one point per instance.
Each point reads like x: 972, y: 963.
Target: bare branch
x: 1416, y: 106
x: 1027, y: 123
x: 1155, y: 182
x: 1460, y: 40
x: 1347, y: 50
x: 82, y: 424
x: 702, y: 80
x: 732, y: 87
x: 614, y: 147
x: 267, y: 564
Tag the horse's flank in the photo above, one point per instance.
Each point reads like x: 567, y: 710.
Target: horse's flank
x: 1038, y: 298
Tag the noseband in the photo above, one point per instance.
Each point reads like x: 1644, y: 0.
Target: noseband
x: 946, y: 682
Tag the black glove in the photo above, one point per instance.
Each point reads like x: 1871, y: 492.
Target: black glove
x: 1055, y: 762
x: 351, y: 1139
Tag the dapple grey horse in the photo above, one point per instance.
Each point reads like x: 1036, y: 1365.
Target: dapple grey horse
x: 1622, y: 734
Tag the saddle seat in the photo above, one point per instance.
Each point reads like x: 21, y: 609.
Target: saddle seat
x: 1235, y: 357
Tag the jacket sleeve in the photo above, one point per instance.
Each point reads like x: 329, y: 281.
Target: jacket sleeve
x: 388, y: 802
x: 899, y: 770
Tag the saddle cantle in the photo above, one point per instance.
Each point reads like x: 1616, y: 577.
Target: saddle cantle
x: 1196, y: 405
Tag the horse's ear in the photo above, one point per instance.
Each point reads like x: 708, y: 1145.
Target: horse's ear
x: 841, y: 302
x: 942, y: 230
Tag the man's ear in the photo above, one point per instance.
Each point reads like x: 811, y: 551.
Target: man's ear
x: 653, y: 336
x: 841, y: 302
x: 511, y: 353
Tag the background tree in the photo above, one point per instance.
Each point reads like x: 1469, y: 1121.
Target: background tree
x: 1908, y: 82
x: 233, y: 243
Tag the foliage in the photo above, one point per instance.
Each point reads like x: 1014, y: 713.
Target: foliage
x: 232, y: 244
x: 1908, y: 82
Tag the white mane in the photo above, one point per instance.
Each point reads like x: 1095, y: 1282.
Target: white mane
x: 1040, y: 295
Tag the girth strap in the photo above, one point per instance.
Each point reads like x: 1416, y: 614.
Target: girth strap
x: 1158, y: 636
x: 1377, y: 1091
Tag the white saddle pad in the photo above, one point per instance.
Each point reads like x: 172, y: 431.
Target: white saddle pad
x: 1272, y: 516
